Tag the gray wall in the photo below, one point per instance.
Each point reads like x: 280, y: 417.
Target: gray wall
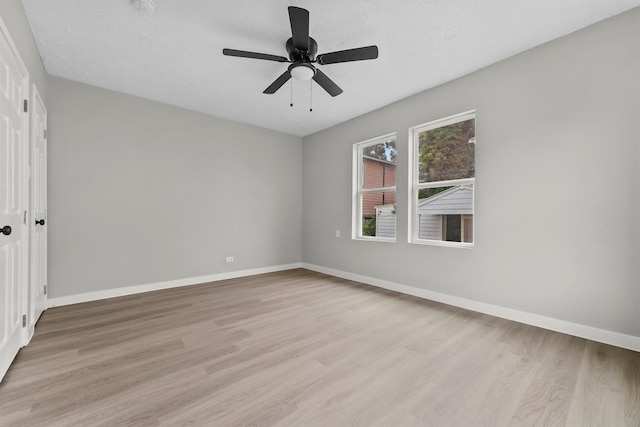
x: 141, y: 192
x: 16, y: 21
x: 557, y: 197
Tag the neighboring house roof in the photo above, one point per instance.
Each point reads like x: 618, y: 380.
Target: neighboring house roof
x: 455, y: 200
x: 378, y: 160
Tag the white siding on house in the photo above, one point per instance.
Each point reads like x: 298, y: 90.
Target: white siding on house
x: 454, y: 201
x: 457, y: 200
x: 386, y: 221
x: 430, y: 227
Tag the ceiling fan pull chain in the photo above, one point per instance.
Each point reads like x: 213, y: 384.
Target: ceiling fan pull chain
x: 310, y: 95
x: 291, y: 104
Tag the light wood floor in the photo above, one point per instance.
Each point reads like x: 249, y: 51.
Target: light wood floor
x: 299, y: 348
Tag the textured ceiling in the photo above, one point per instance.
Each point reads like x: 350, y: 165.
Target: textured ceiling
x: 174, y: 55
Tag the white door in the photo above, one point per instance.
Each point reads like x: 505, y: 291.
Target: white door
x: 13, y: 199
x: 37, y: 299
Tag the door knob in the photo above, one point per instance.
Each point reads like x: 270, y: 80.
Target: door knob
x: 41, y: 222
x: 6, y: 230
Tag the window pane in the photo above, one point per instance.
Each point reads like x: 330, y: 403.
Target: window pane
x: 446, y: 213
x: 379, y: 165
x: 379, y: 214
x: 447, y: 152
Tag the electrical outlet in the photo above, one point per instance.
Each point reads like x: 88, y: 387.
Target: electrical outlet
x: 229, y: 259
x: 337, y: 233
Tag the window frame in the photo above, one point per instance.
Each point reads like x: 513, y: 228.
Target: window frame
x: 358, y: 189
x: 415, y: 185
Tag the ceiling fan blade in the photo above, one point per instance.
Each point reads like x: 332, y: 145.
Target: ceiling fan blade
x: 357, y: 54
x: 277, y: 84
x: 299, y: 27
x: 326, y: 83
x: 253, y: 55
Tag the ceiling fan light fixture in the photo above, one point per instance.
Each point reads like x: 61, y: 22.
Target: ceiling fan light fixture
x: 302, y: 72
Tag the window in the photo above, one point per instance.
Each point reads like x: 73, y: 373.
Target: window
x: 442, y: 181
x: 374, y: 189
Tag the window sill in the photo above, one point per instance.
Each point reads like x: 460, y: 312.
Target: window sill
x: 442, y: 243
x: 375, y: 239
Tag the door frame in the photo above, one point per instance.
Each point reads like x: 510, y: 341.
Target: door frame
x: 32, y: 314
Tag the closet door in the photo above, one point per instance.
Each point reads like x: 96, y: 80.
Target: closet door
x: 14, y: 230
x: 38, y: 245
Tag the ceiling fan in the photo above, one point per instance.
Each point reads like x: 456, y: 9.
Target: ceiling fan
x: 302, y: 55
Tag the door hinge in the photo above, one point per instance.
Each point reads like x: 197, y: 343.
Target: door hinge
x: 45, y: 134
x: 24, y: 218
x: 24, y: 320
x: 45, y: 289
x: 26, y: 106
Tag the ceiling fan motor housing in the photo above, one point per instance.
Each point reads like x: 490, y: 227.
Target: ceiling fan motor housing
x: 296, y: 55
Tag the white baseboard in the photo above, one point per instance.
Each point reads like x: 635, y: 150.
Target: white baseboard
x: 137, y: 289
x: 601, y: 335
